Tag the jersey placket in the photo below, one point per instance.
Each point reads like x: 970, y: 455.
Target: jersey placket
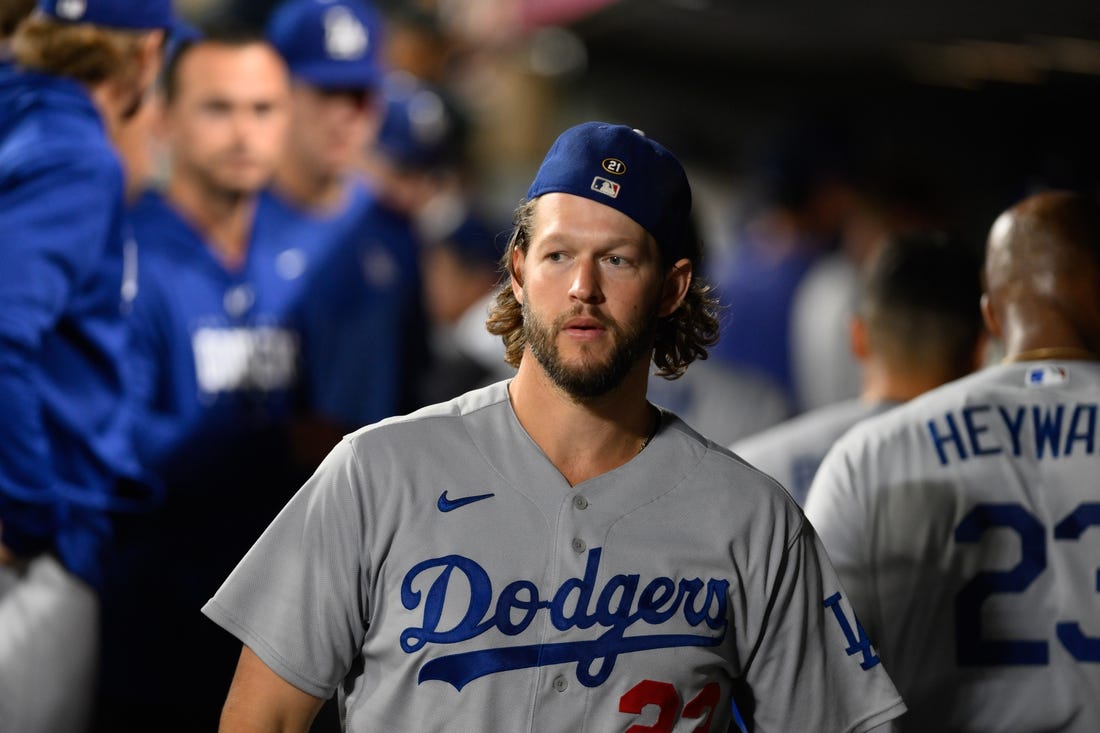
x: 578, y: 534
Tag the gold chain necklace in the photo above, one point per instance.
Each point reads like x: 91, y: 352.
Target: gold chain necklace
x: 653, y: 432
x: 1052, y: 352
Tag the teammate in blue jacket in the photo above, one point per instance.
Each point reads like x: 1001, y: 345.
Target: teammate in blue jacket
x: 67, y: 466
x: 554, y: 552
x: 362, y: 273
x: 216, y: 371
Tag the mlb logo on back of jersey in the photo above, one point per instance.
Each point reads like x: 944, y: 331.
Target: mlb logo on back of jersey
x: 606, y: 187
x: 1045, y: 376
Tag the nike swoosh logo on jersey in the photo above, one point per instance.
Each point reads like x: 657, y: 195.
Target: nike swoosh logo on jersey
x: 448, y: 505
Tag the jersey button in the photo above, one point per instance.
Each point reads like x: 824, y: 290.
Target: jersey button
x: 578, y: 545
x: 560, y: 683
x: 579, y: 502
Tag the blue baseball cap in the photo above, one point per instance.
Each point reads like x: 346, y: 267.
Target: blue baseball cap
x: 127, y: 14
x: 618, y: 166
x: 475, y: 241
x: 331, y: 44
x: 421, y: 129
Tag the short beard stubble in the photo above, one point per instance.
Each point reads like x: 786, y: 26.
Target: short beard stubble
x: 589, y: 380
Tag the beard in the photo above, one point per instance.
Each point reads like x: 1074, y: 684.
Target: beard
x: 590, y: 378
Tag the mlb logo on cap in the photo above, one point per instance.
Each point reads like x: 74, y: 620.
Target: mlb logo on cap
x: 332, y: 44
x: 606, y: 187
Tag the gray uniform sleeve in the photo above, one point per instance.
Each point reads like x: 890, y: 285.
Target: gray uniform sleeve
x: 815, y: 669
x: 297, y: 599
x: 838, y: 515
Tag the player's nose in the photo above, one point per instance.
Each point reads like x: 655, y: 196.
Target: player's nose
x: 585, y: 285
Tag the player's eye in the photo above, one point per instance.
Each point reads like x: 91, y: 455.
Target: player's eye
x: 556, y: 256
x: 620, y: 262
x: 216, y: 107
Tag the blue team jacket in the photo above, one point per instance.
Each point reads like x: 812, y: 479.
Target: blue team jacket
x: 364, y: 332
x: 216, y: 350
x: 66, y: 459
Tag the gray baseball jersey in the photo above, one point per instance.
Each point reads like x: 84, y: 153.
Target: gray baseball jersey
x: 791, y: 451
x: 442, y: 574
x: 966, y: 526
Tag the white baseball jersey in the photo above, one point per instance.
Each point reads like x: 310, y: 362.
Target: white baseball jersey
x: 791, y: 451
x: 444, y: 576
x: 966, y: 526
x: 823, y: 367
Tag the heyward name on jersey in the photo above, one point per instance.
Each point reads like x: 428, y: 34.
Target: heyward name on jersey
x: 1044, y: 431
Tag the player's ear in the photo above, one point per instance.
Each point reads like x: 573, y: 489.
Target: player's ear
x: 981, y: 351
x: 857, y: 338
x: 149, y: 53
x: 989, y: 315
x: 515, y: 271
x: 677, y: 283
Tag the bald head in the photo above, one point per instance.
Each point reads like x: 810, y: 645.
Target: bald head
x: 1042, y: 274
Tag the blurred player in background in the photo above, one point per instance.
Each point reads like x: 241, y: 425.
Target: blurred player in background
x: 887, y: 204
x: 461, y: 276
x: 805, y: 195
x: 964, y: 522
x: 67, y: 466
x: 333, y: 50
x: 364, y: 326
x: 918, y: 324
x: 216, y: 368
x: 554, y: 551
x: 417, y: 168
x: 418, y: 158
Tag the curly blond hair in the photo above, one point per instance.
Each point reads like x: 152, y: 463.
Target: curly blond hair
x: 12, y: 12
x: 86, y: 53
x: 681, y: 337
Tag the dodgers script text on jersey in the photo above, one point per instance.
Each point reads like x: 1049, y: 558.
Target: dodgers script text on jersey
x: 442, y: 574
x: 618, y: 607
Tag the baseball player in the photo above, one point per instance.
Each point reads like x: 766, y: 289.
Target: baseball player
x: 917, y: 326
x: 67, y: 467
x: 460, y: 260
x: 363, y: 281
x: 962, y: 522
x: 216, y: 367
x: 554, y: 553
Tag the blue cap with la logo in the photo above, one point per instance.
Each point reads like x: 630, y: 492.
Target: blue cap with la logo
x: 620, y: 167
x: 126, y: 14
x: 331, y: 44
